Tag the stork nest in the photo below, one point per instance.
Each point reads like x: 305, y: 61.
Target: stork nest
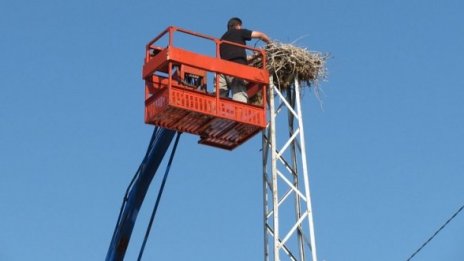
x: 287, y: 62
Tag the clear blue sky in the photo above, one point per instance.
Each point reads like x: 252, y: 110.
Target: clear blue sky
x: 385, y: 153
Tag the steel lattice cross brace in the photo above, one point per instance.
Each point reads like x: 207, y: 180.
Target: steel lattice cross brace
x: 288, y: 218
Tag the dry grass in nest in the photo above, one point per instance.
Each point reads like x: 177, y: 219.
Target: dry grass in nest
x: 287, y: 62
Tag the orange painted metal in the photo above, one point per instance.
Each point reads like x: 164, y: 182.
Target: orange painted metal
x: 176, y: 96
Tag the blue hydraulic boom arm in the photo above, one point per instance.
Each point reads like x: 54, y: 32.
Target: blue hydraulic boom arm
x: 135, y: 194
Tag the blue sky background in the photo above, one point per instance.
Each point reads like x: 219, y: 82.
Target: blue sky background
x: 385, y: 153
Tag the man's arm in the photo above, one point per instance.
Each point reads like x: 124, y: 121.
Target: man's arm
x: 260, y: 35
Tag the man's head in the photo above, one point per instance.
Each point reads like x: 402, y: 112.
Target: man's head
x: 233, y: 23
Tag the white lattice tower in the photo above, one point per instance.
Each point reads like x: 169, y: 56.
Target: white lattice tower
x: 288, y: 217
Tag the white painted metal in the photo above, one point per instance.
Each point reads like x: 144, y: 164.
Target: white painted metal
x: 287, y: 201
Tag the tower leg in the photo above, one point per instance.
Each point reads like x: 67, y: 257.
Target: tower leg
x: 288, y: 217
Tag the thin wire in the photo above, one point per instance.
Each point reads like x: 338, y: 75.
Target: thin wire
x: 160, y: 193
x: 436, y: 233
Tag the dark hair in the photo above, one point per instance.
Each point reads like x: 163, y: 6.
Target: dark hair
x: 233, y: 22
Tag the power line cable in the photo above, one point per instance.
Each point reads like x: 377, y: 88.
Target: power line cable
x: 436, y: 233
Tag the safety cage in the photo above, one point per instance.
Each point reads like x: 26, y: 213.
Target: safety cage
x: 181, y: 90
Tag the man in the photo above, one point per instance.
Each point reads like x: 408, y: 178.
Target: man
x: 235, y: 33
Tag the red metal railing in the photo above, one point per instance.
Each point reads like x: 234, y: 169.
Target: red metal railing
x: 172, y: 29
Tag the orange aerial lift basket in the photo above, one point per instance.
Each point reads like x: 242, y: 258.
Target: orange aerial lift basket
x: 178, y: 95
